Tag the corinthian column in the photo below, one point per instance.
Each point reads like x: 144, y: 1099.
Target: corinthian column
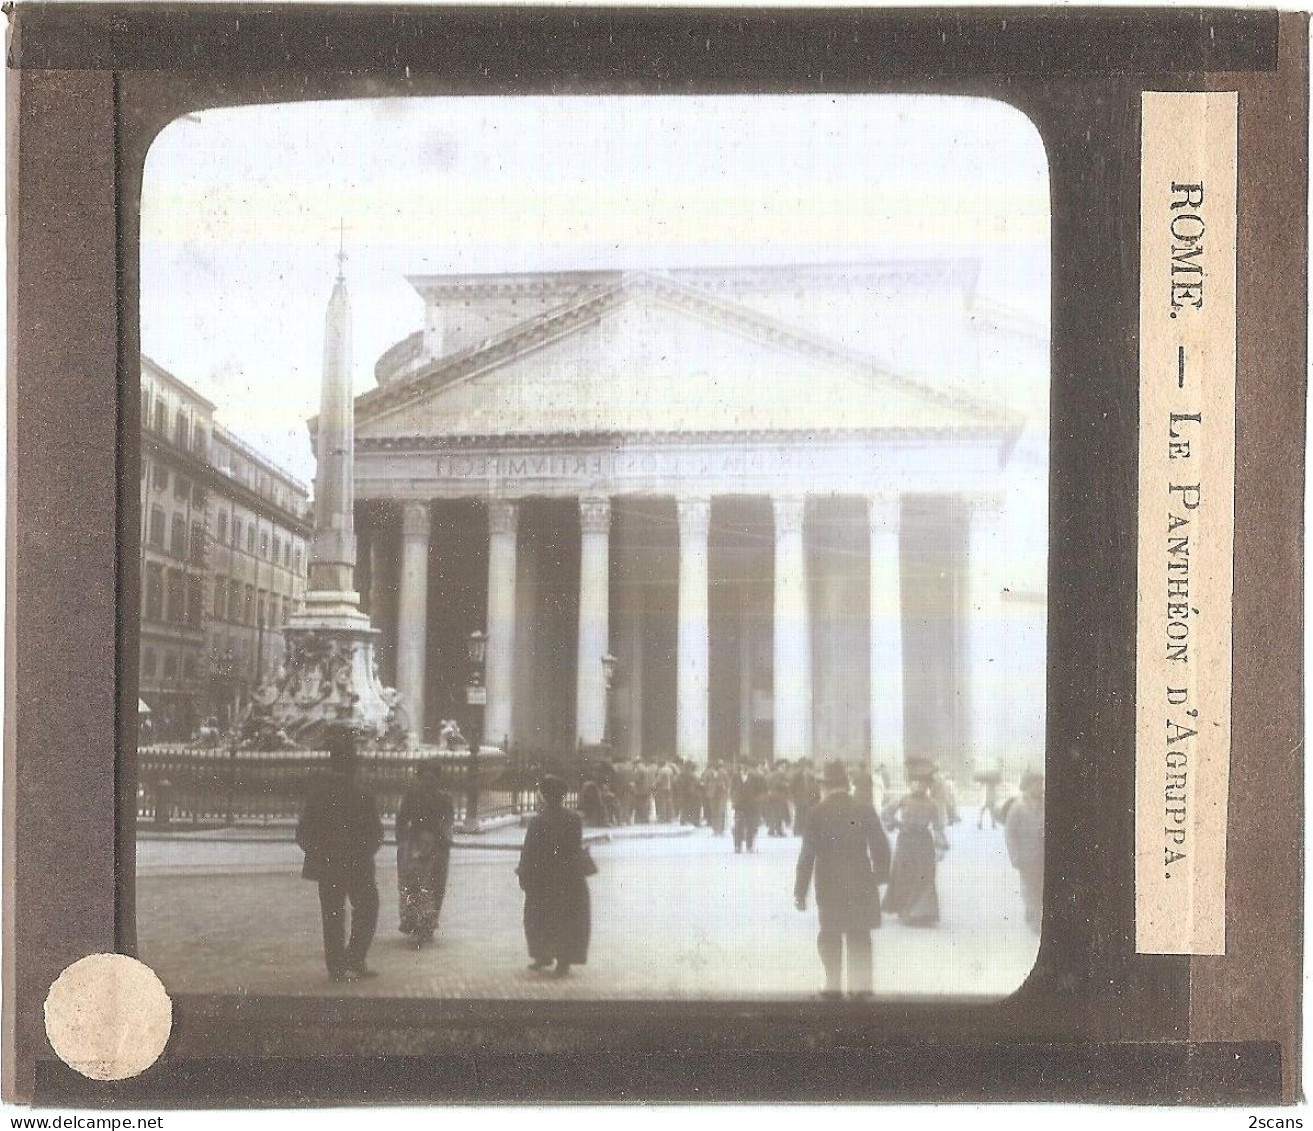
x: 693, y: 640
x: 886, y: 635
x: 594, y: 611
x: 985, y: 631
x: 412, y: 614
x: 792, y: 634
x: 503, y: 521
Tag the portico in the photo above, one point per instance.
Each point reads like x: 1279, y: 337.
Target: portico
x: 785, y: 548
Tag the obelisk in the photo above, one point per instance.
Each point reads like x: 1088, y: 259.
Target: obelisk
x: 329, y: 676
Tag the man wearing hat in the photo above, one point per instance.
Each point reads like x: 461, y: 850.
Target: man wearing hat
x: 340, y: 833
x: 845, y: 845
x: 1024, y: 833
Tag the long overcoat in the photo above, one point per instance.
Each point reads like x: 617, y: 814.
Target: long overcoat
x: 845, y: 846
x: 557, y: 915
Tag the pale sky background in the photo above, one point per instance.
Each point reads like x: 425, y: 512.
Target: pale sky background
x: 240, y: 212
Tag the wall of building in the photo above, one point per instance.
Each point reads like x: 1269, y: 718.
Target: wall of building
x: 224, y: 555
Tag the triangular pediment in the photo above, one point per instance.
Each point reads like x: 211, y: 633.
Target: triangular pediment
x: 650, y: 355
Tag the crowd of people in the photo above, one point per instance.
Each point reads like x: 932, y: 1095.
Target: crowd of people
x: 844, y: 825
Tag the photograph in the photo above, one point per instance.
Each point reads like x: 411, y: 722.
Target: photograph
x: 594, y: 548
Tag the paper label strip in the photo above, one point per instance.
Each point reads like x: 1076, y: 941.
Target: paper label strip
x: 1186, y: 520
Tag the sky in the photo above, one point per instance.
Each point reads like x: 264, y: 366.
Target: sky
x: 241, y: 211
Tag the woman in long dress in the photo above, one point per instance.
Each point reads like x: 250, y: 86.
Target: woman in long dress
x: 424, y: 833
x: 911, y: 894
x: 553, y: 870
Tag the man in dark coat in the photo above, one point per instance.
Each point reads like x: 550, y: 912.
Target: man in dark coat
x: 1024, y: 833
x: 845, y: 845
x: 747, y: 794
x: 340, y: 832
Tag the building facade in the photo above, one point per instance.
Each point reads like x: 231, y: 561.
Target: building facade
x: 224, y: 544
x: 783, y: 498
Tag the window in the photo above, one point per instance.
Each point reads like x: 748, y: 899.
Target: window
x: 190, y: 669
x: 161, y: 478
x: 178, y: 537
x: 296, y: 559
x: 170, y: 665
x: 220, y: 598
x: 198, y: 543
x: 181, y: 488
x: 161, y: 418
x: 234, y: 600
x: 259, y: 611
x: 145, y: 408
x: 264, y: 543
x: 249, y: 614
x: 177, y: 595
x: 223, y: 527
x: 287, y: 554
x: 180, y: 429
x: 154, y: 591
x: 156, y: 537
x: 273, y: 610
x: 198, y: 442
x: 197, y: 495
x: 237, y: 533
x: 147, y: 663
x: 250, y: 540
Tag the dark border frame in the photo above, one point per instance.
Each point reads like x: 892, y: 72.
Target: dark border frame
x: 94, y: 84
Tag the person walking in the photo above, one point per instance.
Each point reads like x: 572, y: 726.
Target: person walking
x: 553, y: 871
x: 690, y: 796
x: 425, y: 822
x: 663, y: 788
x: 844, y: 846
x: 643, y: 775
x: 777, y: 800
x: 805, y: 794
x: 989, y: 804
x: 747, y: 794
x: 715, y: 792
x: 912, y: 894
x: 1024, y: 835
x: 339, y: 832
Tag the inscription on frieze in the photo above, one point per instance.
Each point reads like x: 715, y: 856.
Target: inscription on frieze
x: 611, y: 465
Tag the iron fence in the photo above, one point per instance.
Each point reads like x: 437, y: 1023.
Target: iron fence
x: 206, y: 787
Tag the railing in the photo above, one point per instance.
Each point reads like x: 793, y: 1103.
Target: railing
x: 194, y: 786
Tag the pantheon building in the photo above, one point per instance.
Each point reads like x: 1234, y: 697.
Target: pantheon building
x: 783, y: 498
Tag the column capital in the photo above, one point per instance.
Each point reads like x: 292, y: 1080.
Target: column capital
x: 789, y: 512
x: 594, y: 514
x: 885, y: 511
x: 415, y: 522
x: 694, y: 515
x: 503, y: 516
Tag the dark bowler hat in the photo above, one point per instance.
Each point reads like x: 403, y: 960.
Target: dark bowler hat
x: 836, y: 775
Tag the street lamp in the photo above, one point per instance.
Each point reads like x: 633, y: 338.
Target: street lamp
x: 608, y: 677
x: 476, y: 698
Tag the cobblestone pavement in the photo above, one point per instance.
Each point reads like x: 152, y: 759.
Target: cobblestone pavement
x: 679, y: 917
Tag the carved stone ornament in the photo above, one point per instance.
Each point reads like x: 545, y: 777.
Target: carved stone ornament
x: 789, y: 512
x: 328, y: 678
x: 503, y: 517
x: 595, y: 515
x: 694, y: 517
